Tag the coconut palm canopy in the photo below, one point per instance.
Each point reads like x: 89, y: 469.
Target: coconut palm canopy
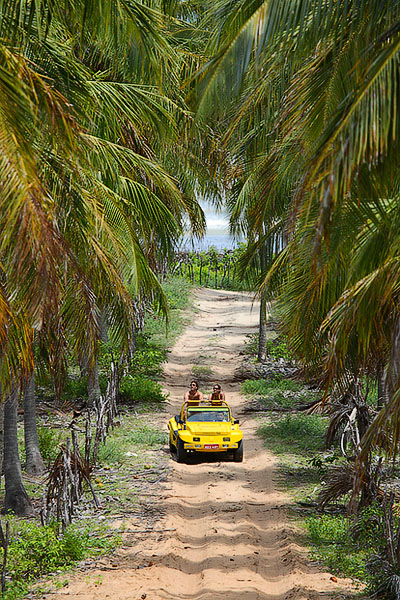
x: 309, y: 93
x: 88, y: 195
x: 296, y: 121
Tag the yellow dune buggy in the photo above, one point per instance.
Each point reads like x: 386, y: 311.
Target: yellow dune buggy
x: 205, y: 426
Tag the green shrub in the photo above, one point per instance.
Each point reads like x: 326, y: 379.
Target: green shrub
x: 15, y: 589
x: 134, y: 390
x: 49, y: 443
x: 75, y: 388
x: 277, y: 348
x: 147, y: 362
x: 74, y: 545
x: 35, y: 551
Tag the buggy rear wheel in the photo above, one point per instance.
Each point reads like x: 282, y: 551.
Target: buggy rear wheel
x: 238, y: 453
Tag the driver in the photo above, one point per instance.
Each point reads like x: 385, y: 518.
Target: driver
x: 193, y: 392
x: 221, y: 416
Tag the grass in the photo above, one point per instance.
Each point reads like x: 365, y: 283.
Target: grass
x: 297, y: 434
x: 297, y: 438
x: 128, y: 461
x: 357, y: 547
x: 136, y: 432
x: 333, y: 546
x: 270, y: 386
x: 162, y: 334
x: 130, y: 464
x: 277, y: 393
x: 298, y: 441
x: 202, y: 359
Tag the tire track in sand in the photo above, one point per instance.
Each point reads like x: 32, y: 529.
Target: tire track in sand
x: 228, y: 535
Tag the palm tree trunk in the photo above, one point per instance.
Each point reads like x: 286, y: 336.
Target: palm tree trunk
x: 34, y: 460
x: 1, y: 433
x: 393, y: 371
x: 92, y: 372
x: 262, y: 341
x: 16, y: 499
x: 93, y: 384
x: 262, y: 328
x: 382, y: 392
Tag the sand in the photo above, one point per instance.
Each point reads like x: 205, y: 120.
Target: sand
x: 224, y: 533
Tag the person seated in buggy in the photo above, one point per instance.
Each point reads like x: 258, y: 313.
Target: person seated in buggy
x: 193, y: 394
x: 217, y: 394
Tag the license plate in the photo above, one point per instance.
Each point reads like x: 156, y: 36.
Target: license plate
x: 211, y: 446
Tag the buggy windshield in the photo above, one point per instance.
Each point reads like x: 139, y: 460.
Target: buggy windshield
x: 208, y: 415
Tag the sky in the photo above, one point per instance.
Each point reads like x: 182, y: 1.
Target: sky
x: 217, y: 231
x: 217, y: 223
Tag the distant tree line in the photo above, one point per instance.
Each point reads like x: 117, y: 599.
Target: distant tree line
x: 210, y: 268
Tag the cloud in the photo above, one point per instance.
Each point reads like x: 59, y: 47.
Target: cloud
x: 216, y: 222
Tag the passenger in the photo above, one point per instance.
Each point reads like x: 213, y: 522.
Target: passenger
x: 217, y: 393
x: 193, y: 393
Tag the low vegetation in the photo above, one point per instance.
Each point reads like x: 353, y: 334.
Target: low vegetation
x: 36, y: 551
x: 129, y: 463
x: 362, y: 546
x: 277, y: 392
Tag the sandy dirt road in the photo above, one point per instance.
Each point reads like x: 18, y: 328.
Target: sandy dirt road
x: 224, y: 533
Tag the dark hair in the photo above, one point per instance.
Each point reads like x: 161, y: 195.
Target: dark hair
x: 196, y: 382
x: 217, y: 386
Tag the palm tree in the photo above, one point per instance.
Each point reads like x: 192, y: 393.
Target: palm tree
x: 319, y: 159
x: 34, y: 461
x: 84, y: 131
x: 16, y: 499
